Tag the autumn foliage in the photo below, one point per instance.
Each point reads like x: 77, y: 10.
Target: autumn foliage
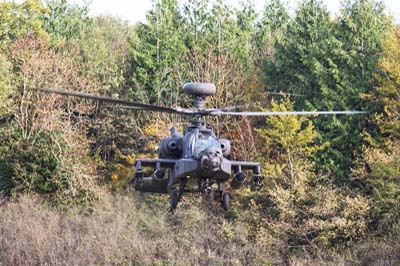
x: 331, y: 190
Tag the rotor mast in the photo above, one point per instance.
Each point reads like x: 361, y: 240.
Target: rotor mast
x: 199, y: 92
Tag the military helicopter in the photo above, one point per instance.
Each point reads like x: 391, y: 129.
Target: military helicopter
x: 196, y: 160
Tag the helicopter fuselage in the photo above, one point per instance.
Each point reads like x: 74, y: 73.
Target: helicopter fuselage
x: 198, y: 159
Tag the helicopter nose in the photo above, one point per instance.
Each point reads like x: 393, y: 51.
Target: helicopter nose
x: 215, y: 162
x: 210, y: 162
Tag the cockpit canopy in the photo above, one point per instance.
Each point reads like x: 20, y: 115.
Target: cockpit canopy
x: 202, y: 140
x: 205, y: 140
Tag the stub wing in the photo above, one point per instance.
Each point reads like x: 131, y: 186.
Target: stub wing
x: 155, y: 163
x: 156, y: 182
x: 238, y: 166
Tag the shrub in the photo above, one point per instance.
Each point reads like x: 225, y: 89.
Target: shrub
x: 297, y: 204
x: 378, y: 176
x: 41, y: 165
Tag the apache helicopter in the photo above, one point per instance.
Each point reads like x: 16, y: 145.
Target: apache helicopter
x: 196, y: 160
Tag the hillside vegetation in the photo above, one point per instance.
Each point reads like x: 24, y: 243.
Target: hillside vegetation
x: 331, y: 192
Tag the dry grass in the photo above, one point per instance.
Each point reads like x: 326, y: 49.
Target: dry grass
x: 120, y: 230
x: 370, y: 253
x: 135, y: 230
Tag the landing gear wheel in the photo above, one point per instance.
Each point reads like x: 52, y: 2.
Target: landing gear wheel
x: 174, y: 201
x: 176, y: 196
x: 138, y: 180
x: 225, y: 200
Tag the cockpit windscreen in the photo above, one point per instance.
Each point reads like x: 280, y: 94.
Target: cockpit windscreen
x: 205, y: 140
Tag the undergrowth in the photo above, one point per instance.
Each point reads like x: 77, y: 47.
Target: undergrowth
x: 135, y: 229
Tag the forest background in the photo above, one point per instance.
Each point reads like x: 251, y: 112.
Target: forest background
x: 332, y: 186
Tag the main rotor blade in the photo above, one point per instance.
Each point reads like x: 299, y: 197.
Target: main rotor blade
x: 283, y: 94
x: 185, y: 111
x: 124, y: 107
x: 142, y: 106
x: 288, y: 113
x: 247, y: 105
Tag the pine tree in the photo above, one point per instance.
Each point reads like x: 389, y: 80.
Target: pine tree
x: 157, y: 52
x: 301, y: 59
x: 330, y: 64
x: 360, y: 28
x: 272, y: 27
x: 65, y: 22
x: 196, y: 17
